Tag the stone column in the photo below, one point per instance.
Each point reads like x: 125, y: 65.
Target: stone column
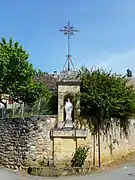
x: 60, y: 107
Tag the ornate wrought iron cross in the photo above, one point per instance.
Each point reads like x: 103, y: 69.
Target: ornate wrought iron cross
x: 69, y: 31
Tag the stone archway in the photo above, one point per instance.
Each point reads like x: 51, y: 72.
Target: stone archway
x: 70, y: 96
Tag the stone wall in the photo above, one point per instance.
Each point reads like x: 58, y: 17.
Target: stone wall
x: 25, y: 141
x: 114, y: 145
x: 29, y: 141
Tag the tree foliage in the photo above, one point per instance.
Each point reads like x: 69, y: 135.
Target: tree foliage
x: 48, y: 106
x: 79, y: 157
x: 105, y: 96
x: 129, y: 73
x: 17, y: 74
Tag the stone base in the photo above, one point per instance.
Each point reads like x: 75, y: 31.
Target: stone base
x: 58, y: 171
x: 63, y: 125
x: 68, y: 124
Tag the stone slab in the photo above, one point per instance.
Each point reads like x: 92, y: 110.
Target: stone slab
x: 67, y: 132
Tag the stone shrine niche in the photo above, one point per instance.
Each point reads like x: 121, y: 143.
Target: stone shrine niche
x: 66, y: 97
x: 68, y: 86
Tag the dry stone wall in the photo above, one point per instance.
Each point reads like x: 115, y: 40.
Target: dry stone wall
x: 25, y: 142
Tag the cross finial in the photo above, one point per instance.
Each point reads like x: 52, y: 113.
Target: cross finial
x: 69, y: 31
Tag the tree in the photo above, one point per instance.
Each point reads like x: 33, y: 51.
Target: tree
x: 17, y: 75
x: 48, y: 106
x: 129, y: 73
x: 106, y: 96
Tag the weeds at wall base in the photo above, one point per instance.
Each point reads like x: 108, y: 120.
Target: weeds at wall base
x: 69, y: 171
x: 59, y: 171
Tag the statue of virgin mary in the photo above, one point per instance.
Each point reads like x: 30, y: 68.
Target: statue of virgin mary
x: 68, y: 110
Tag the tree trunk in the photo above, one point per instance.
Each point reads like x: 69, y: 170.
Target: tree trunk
x: 75, y: 139
x: 94, y: 150
x: 99, y: 151
x: 100, y: 120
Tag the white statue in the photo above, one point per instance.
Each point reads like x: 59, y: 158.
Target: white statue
x: 68, y: 110
x: 2, y: 106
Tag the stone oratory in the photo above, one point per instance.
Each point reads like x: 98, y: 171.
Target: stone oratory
x: 66, y: 137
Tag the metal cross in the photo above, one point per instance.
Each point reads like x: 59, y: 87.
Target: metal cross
x: 69, y: 31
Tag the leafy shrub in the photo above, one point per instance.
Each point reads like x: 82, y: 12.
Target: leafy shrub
x: 79, y: 157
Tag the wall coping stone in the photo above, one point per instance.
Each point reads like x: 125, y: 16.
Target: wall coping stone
x: 30, y: 117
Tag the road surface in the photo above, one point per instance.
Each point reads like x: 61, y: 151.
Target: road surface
x: 125, y: 172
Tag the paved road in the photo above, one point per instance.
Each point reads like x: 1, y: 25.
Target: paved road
x: 121, y: 173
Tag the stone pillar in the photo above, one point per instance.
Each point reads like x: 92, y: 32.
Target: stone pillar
x: 60, y: 105
x: 64, y: 88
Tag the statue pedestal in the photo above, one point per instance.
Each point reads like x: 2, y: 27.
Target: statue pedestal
x: 70, y: 133
x: 64, y: 143
x: 68, y: 124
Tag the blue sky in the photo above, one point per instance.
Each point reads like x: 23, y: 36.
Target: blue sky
x: 106, y: 37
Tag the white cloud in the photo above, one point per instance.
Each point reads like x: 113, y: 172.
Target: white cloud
x: 118, y: 62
